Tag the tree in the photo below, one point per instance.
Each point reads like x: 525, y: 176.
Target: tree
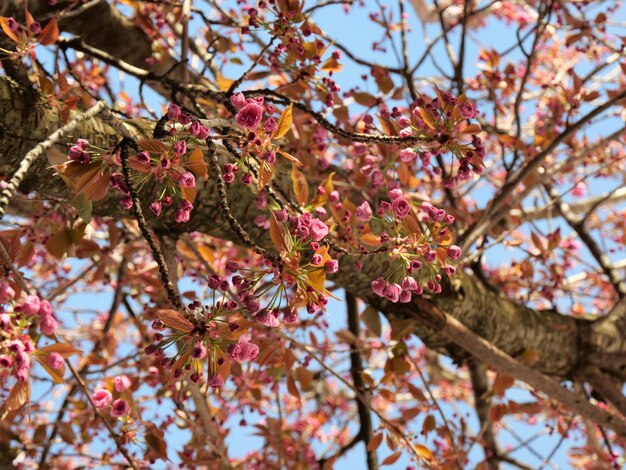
x: 239, y: 176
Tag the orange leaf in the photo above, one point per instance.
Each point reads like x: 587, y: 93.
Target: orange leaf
x: 300, y: 186
x: 189, y: 193
x: 197, y: 164
x: 64, y: 349
x: 7, y: 30
x: 289, y: 157
x: 94, y: 184
x: 56, y: 374
x: 292, y: 387
x: 60, y: 243
x: 265, y: 174
x: 29, y: 18
x: 423, y: 452
x: 280, y: 237
x: 427, y: 117
x: 502, y: 383
x: 331, y: 65
x: 175, y: 320
x: 49, y: 34
x: 284, y: 122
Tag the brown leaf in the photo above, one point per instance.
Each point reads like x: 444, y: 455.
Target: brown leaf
x: 174, y: 320
x: 152, y: 145
x: 393, y: 458
x: 155, y: 440
x: 300, y: 186
x: 279, y: 236
x: 375, y: 442
x: 66, y: 432
x: 371, y: 318
x: 64, y: 349
x: 502, y: 383
x: 18, y: 397
x: 265, y: 174
x: 305, y: 377
x: 292, y: 388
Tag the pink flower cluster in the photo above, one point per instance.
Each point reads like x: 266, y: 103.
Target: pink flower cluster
x: 102, y: 398
x: 15, y: 352
x: 33, y: 305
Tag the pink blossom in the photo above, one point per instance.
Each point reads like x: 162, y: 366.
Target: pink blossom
x: 405, y: 297
x: 270, y: 125
x: 102, y: 398
x: 407, y: 155
x: 238, y: 100
x: 6, y: 361
x: 120, y: 408
x: 409, y: 283
x: 580, y: 189
x: 281, y: 215
x: 267, y: 318
x: 180, y: 147
x: 198, y: 130
x: 249, y: 116
x: 30, y: 305
x: 215, y: 381
x: 316, y: 259
x: 45, y: 308
x: 156, y: 207
x: 54, y: 360
x: 363, y: 212
x: 77, y: 154
x: 199, y: 351
x: 467, y: 110
x: 173, y: 111
x: 318, y: 230
x: 187, y: 180
x: 48, y: 325
x: 378, y: 286
x: 6, y: 293
x: 121, y: 383
x: 401, y: 207
x: 35, y: 27
x: 454, y: 252
x: 395, y: 194
x: 392, y: 292
x: 331, y: 266
x: 450, y: 270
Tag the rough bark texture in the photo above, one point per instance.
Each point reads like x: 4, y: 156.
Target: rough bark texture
x: 560, y: 343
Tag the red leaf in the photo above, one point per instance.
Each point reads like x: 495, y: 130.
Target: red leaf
x: 175, y: 320
x: 49, y: 34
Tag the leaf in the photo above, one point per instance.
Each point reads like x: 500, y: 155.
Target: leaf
x: 279, y: 237
x: 427, y: 117
x: 49, y: 34
x: 502, y: 383
x: 284, y: 122
x: 393, y: 458
x: 371, y: 318
x: 18, y: 397
x: 292, y: 388
x: 265, y: 174
x: 83, y: 207
x: 152, y: 145
x: 222, y: 82
x: 423, y: 452
x: 375, y: 442
x: 94, y: 184
x: 56, y: 374
x: 189, y: 193
x: 155, y: 440
x: 29, y: 18
x: 300, y: 186
x: 365, y: 99
x: 305, y: 377
x: 197, y: 164
x: 331, y: 65
x: 175, y: 320
x: 346, y: 336
x: 289, y: 157
x: 64, y: 349
x: 66, y: 432
x: 7, y: 30
x: 60, y: 243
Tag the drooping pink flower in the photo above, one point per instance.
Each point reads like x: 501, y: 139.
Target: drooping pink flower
x: 392, y: 292
x: 409, y: 283
x: 395, y: 194
x: 378, y: 286
x: 407, y: 155
x: 121, y: 383
x: 120, y: 408
x: 102, y: 398
x: 54, y: 360
x: 405, y: 297
x: 249, y: 116
x: 215, y: 381
x: 270, y: 125
x: 199, y: 351
x: 156, y: 207
x: 401, y: 207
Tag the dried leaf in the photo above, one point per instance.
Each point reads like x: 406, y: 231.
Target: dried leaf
x: 284, y: 122
x: 174, y: 320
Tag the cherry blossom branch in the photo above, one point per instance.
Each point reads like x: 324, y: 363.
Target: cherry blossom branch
x: 31, y: 157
